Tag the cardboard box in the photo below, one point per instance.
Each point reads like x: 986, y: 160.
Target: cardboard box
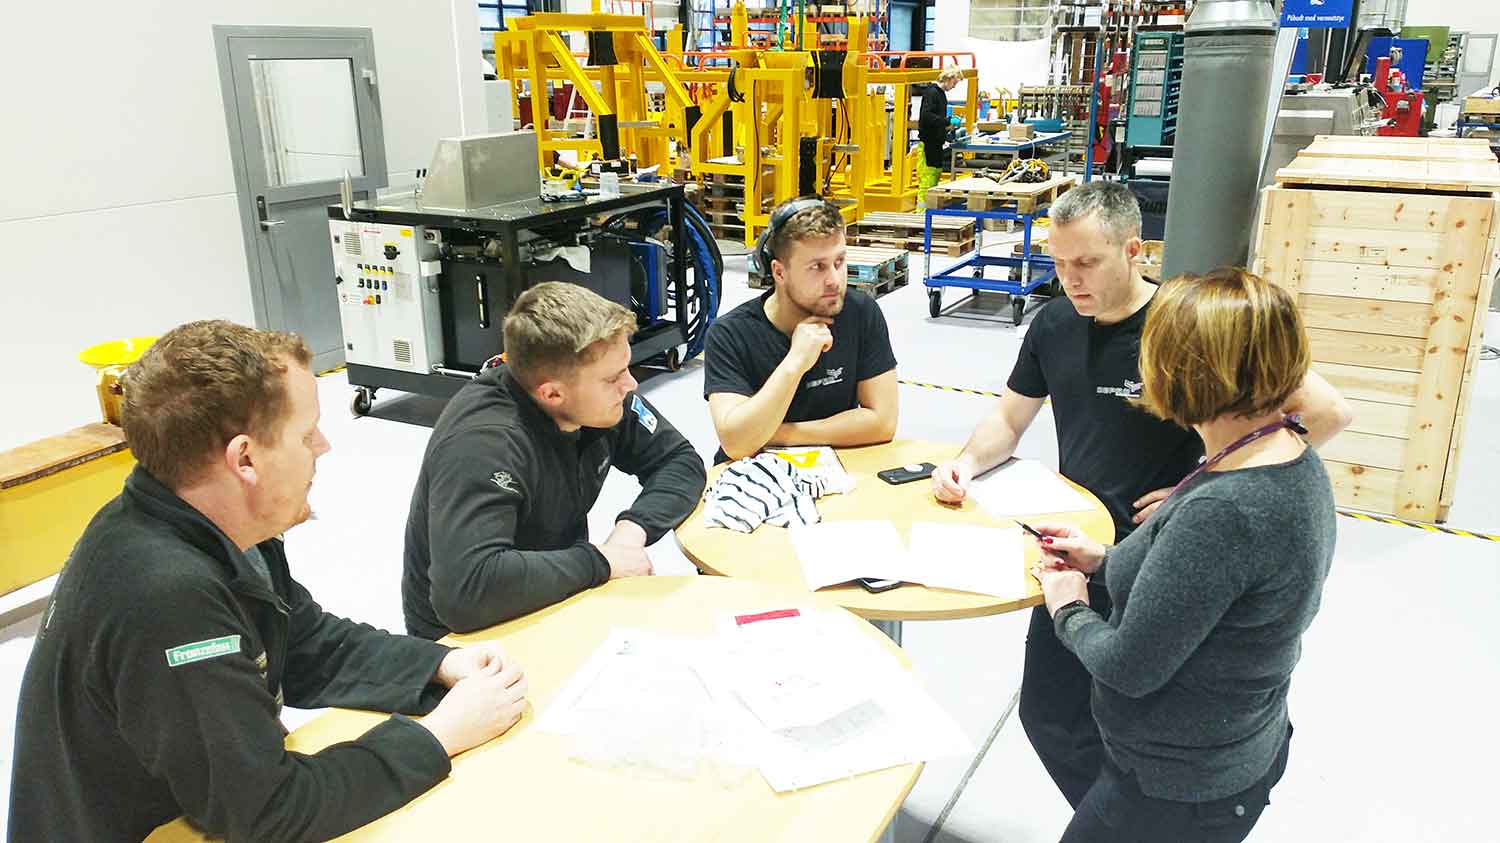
x: 1020, y: 131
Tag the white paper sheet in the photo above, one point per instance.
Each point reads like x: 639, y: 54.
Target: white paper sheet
x: 963, y: 557
x: 834, y: 552
x: 1025, y: 487
x: 824, y: 702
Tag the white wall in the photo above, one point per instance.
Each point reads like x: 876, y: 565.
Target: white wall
x: 118, y: 214
x: 1001, y: 64
x: 1462, y: 16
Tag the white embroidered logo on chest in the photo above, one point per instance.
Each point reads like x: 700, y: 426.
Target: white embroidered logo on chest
x: 504, y: 481
x: 834, y: 376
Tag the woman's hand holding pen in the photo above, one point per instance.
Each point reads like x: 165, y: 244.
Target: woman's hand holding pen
x: 1066, y: 547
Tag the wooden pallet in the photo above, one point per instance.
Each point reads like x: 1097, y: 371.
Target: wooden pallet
x: 896, y: 226
x: 982, y: 194
x: 951, y: 249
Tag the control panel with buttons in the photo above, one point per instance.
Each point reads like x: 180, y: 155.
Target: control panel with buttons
x: 388, y: 306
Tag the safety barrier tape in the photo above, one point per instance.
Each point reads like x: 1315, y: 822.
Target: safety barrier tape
x: 964, y: 390
x: 1431, y: 528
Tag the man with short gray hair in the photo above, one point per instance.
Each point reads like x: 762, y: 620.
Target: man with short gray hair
x: 498, y: 526
x: 1082, y: 350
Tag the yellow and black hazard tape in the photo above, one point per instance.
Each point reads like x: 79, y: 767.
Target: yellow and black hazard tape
x: 1431, y: 528
x: 982, y: 392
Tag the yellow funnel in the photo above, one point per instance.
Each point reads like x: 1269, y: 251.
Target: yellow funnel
x: 115, y: 352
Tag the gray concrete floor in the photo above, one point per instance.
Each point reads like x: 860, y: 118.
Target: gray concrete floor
x: 1393, y: 700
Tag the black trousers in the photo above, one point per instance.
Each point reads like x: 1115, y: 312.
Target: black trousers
x: 1055, y: 708
x: 1116, y: 811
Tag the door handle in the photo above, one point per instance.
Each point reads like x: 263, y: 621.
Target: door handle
x: 262, y: 216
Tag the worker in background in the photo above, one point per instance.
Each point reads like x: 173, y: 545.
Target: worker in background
x: 809, y: 362
x: 498, y: 526
x: 932, y: 130
x: 1190, y: 684
x: 1082, y: 351
x: 175, y: 632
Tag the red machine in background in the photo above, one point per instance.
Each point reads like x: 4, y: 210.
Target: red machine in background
x: 1402, y: 113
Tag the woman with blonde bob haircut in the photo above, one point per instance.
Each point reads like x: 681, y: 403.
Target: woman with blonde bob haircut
x: 1212, y: 595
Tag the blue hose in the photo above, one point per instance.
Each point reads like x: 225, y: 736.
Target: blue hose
x: 708, y: 276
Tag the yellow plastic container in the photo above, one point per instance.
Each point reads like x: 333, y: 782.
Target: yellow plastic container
x: 110, y: 359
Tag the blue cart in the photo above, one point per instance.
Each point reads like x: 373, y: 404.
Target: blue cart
x: 1024, y: 274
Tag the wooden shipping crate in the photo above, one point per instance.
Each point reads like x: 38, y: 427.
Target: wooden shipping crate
x: 1392, y: 261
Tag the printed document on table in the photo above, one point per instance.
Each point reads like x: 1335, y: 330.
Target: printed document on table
x: 640, y: 701
x: 964, y: 557
x: 835, y: 552
x: 1026, y: 487
x: 825, y: 702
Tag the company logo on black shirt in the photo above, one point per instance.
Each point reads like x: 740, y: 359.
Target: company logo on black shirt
x: 834, y: 376
x: 1131, y: 391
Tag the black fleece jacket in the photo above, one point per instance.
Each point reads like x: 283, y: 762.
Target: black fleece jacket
x: 498, y: 526
x: 155, y: 684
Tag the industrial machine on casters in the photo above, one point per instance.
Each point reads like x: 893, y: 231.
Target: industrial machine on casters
x: 425, y: 280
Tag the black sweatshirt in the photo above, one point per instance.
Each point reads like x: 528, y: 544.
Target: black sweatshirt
x: 932, y: 124
x: 499, y: 519
x: 154, y: 687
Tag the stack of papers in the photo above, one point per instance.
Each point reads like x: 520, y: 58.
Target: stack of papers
x: 803, y: 695
x: 1026, y: 487
x: 962, y: 557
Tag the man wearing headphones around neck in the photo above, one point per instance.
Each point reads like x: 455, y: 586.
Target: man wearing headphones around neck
x: 810, y: 361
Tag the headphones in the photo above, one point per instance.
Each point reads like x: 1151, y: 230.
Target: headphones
x: 779, y: 217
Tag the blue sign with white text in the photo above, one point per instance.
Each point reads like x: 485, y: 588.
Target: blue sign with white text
x: 1316, y: 14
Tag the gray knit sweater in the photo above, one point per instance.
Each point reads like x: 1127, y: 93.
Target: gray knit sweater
x: 1211, y: 597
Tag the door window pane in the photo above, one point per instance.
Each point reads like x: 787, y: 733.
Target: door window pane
x: 309, y: 130
x: 1479, y: 54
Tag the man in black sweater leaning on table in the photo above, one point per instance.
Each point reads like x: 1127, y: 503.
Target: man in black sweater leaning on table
x: 498, y: 526
x: 176, y: 631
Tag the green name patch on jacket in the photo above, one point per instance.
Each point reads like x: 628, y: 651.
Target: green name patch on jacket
x: 200, y: 650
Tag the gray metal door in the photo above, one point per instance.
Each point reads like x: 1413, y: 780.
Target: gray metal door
x: 302, y: 110
x: 1476, y: 64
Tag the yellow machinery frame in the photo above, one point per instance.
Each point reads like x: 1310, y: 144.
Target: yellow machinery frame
x: 535, y: 52
x: 775, y: 112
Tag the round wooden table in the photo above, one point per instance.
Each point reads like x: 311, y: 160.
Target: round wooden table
x: 766, y: 555
x: 524, y: 786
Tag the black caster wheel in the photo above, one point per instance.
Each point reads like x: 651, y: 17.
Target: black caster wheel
x: 360, y: 404
x: 1017, y: 308
x: 673, y: 359
x: 934, y: 303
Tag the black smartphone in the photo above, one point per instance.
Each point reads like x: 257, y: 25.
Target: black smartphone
x: 906, y: 473
x: 876, y: 586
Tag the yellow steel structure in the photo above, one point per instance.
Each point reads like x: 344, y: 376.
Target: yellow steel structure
x: 772, y: 108
x: 768, y: 96
x: 536, y: 52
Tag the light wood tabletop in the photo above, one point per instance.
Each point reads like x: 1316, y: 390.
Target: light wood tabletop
x: 766, y: 555
x: 523, y: 785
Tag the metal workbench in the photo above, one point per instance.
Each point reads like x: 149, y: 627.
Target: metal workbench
x: 1006, y: 149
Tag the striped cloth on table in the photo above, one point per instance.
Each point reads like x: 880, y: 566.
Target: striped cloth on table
x: 763, y: 489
